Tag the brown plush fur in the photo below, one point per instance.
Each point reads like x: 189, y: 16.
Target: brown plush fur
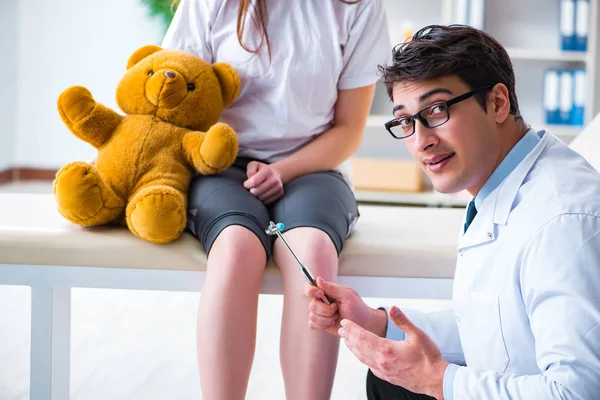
x: 146, y: 159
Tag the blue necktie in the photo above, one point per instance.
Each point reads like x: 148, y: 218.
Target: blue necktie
x: 471, y: 213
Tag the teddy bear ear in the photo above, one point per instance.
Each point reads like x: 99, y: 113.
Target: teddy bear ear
x: 142, y: 53
x: 230, y: 82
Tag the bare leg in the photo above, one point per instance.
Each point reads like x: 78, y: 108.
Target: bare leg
x: 227, y: 314
x: 308, y: 358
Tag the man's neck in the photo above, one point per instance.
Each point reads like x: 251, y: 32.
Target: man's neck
x: 510, y: 137
x: 510, y: 134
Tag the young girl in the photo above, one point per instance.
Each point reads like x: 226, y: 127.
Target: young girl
x: 308, y: 70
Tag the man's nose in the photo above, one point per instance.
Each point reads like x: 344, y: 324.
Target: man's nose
x: 424, y: 137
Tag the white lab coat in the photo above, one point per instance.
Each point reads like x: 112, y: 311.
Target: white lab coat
x: 526, y: 318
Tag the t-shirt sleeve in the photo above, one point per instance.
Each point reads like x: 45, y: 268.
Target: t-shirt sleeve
x: 190, y: 29
x: 367, y: 47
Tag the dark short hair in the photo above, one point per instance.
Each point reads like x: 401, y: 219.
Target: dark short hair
x: 436, y: 51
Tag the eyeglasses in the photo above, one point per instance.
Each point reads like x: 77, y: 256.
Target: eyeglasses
x: 432, y: 116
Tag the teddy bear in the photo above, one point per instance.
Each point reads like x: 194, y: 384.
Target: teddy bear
x: 146, y: 159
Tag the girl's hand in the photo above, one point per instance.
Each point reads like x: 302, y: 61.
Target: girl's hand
x: 264, y: 182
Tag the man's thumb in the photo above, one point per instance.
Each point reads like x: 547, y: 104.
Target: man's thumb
x: 330, y: 288
x: 402, y: 321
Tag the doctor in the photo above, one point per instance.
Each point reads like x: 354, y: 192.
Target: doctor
x: 526, y: 318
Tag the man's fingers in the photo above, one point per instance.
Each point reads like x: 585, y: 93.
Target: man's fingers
x: 333, y: 289
x: 322, y: 309
x: 362, y: 358
x: 324, y: 322
x: 320, y: 328
x: 350, y: 333
x: 313, y: 291
x: 361, y: 340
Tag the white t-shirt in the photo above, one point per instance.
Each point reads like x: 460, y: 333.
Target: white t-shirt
x: 317, y: 47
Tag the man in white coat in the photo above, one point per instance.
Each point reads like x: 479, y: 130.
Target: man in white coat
x: 526, y: 317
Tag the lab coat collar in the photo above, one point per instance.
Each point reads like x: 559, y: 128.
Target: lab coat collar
x: 497, y: 206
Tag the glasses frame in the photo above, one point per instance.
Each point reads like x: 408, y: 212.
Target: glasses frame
x: 448, y: 103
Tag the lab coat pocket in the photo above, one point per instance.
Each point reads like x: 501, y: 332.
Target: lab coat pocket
x: 481, y: 335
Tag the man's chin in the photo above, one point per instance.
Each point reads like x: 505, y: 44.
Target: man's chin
x: 446, y: 187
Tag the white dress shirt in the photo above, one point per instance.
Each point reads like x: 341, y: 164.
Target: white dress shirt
x: 526, y: 318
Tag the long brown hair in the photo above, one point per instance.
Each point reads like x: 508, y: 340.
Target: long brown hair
x: 259, y: 20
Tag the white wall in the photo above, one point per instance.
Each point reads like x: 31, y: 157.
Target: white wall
x: 65, y: 43
x: 8, y: 87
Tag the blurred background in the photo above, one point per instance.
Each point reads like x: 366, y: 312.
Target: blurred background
x: 48, y: 46
x: 141, y: 345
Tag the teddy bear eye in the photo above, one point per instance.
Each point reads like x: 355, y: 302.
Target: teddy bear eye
x: 150, y: 73
x: 191, y: 86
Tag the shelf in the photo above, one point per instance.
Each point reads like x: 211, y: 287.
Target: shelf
x: 547, y: 55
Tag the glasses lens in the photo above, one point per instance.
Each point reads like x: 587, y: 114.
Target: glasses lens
x: 402, y: 127
x: 435, y: 114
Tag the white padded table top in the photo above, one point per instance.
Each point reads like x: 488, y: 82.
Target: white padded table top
x: 388, y: 241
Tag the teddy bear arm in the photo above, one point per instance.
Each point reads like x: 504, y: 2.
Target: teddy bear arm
x: 90, y: 121
x: 191, y: 144
x: 211, y: 152
x: 99, y: 126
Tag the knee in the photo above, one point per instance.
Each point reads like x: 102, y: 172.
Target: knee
x: 237, y: 251
x: 315, y: 249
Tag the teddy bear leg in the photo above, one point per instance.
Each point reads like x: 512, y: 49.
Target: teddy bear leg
x: 157, y: 214
x: 83, y: 197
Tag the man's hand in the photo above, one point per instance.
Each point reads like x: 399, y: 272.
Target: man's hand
x: 264, y: 182
x: 415, y: 364
x: 348, y: 305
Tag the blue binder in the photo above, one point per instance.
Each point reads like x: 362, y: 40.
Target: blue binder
x: 579, y: 96
x: 550, y: 90
x: 565, y: 104
x: 582, y: 10
x: 567, y: 24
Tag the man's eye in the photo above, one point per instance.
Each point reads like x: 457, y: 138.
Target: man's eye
x: 438, y: 109
x: 405, y: 122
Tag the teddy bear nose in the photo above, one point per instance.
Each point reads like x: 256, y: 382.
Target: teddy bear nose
x: 170, y: 74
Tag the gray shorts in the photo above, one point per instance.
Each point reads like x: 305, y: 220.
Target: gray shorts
x: 322, y: 200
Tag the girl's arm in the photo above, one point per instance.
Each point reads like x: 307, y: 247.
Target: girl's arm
x: 335, y: 145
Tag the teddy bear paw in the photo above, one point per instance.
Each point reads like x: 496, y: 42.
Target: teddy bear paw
x: 157, y: 214
x: 75, y: 103
x: 83, y: 197
x: 220, y: 146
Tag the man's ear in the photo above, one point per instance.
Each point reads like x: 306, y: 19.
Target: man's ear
x: 500, y: 99
x: 142, y: 53
x: 230, y: 82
